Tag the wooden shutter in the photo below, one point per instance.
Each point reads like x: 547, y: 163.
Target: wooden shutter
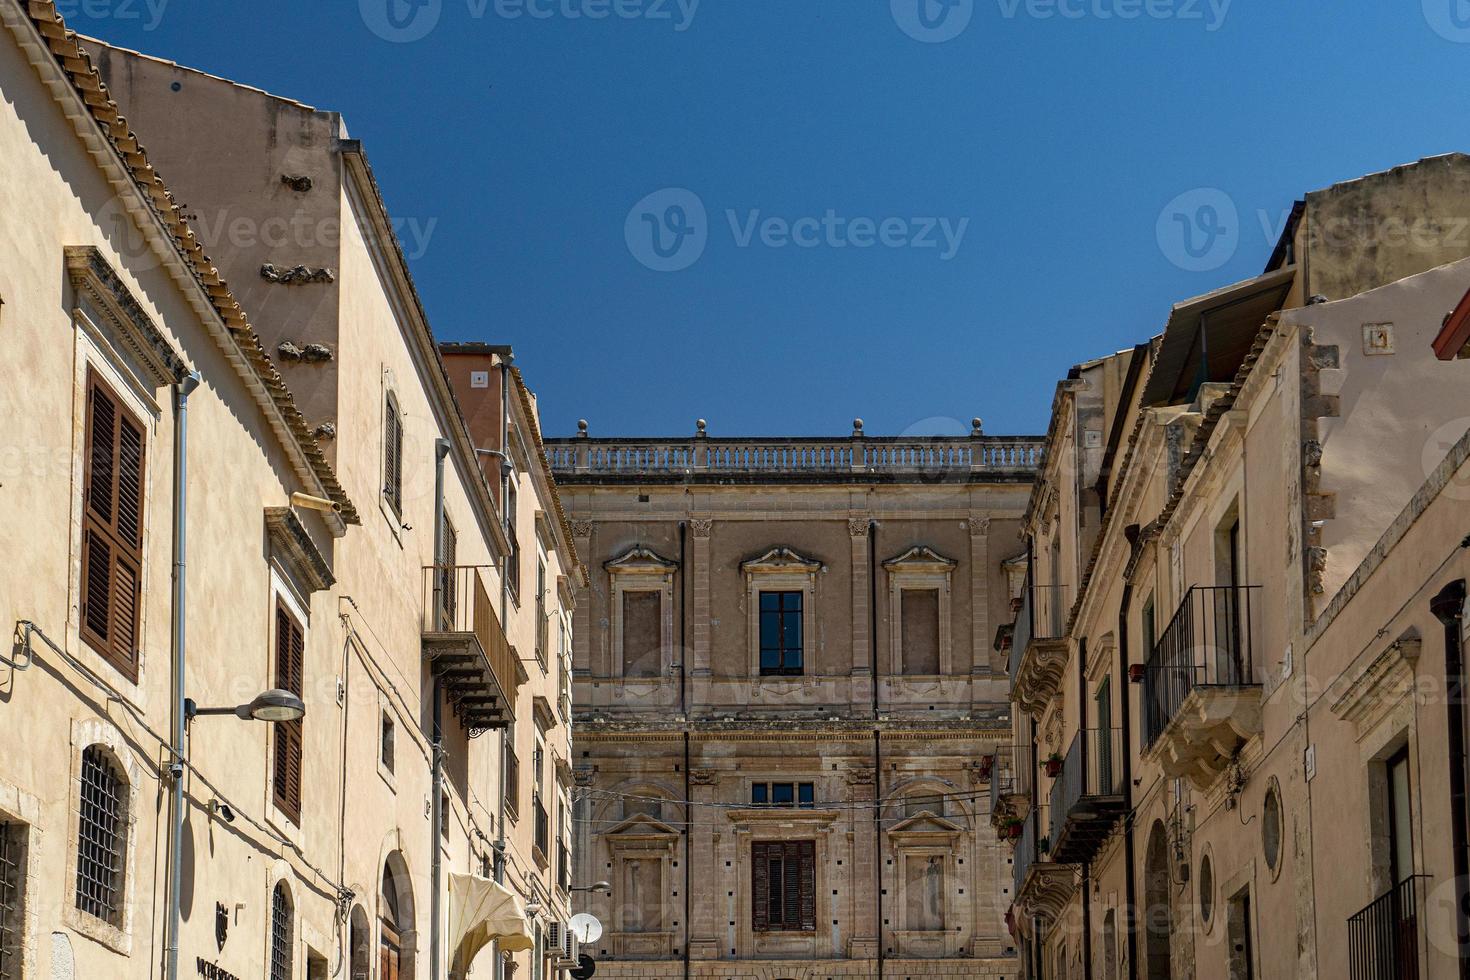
x: 290, y: 668
x: 393, y: 455
x: 760, y: 886
x: 112, y: 527
x: 805, y: 859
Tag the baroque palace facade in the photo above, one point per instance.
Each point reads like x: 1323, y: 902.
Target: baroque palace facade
x: 785, y: 680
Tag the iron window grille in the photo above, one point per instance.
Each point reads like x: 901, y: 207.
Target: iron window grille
x: 781, y: 639
x: 12, y: 896
x: 101, y: 838
x: 280, y: 934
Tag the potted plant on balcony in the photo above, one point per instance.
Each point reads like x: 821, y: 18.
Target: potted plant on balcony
x: 1011, y: 828
x: 987, y: 766
x: 1135, y: 673
x: 1053, y: 766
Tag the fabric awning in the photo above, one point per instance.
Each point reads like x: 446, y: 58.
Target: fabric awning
x: 481, y: 912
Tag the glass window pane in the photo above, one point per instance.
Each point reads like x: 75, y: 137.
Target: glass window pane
x: 781, y: 794
x: 758, y: 794
x: 770, y: 659
x: 770, y: 601
x: 791, y: 631
x: 791, y: 601
x: 808, y: 794
x: 770, y: 629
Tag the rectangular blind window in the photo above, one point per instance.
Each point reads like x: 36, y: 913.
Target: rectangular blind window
x: 920, y: 617
x: 290, y: 671
x: 783, y: 886
x: 641, y: 612
x: 112, y: 528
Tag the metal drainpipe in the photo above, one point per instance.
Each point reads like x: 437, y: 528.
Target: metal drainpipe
x: 1125, y: 712
x: 1082, y: 760
x: 182, y: 391
x: 1035, y: 814
x: 436, y: 801
x: 684, y: 710
x: 877, y: 737
x: 499, y: 846
x: 1449, y: 608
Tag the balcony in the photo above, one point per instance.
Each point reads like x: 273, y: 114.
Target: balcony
x: 1386, y: 938
x: 466, y: 648
x: 1087, y: 799
x: 1011, y: 774
x: 1042, y: 886
x: 1039, y: 646
x: 1201, y: 699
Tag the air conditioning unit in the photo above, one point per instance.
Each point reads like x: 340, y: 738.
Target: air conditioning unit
x: 567, y: 949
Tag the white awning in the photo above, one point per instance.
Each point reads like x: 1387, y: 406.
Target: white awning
x: 481, y: 912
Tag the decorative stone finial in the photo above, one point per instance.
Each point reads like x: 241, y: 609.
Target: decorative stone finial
x: 857, y: 427
x: 977, y: 427
x: 581, y: 428
x: 702, y: 426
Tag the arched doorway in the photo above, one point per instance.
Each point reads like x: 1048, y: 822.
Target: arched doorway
x: 360, y: 941
x: 1157, y: 917
x: 395, y: 922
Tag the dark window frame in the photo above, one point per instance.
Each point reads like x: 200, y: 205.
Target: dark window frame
x: 799, y: 795
x: 102, y: 836
x: 783, y: 886
x: 13, y: 861
x: 288, y: 737
x: 393, y: 454
x: 282, y: 933
x: 779, y: 657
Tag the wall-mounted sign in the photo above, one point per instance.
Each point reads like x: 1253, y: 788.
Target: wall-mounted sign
x: 213, y: 971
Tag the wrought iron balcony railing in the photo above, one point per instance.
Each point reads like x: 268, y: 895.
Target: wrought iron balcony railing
x: 1384, y: 938
x: 1041, y: 619
x: 467, y: 648
x: 1010, y: 776
x: 1087, y: 798
x: 1206, y: 645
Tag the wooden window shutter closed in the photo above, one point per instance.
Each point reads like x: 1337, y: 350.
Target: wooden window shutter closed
x: 290, y: 670
x: 112, y: 527
x: 807, y: 862
x: 760, y: 886
x: 393, y: 456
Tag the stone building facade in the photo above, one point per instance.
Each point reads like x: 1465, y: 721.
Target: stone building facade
x: 315, y: 551
x: 1237, y: 664
x: 785, y: 678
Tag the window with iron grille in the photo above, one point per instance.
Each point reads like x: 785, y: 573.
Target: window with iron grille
x: 112, y: 527
x: 290, y: 671
x: 12, y: 898
x: 101, y: 837
x: 393, y: 455
x: 280, y: 933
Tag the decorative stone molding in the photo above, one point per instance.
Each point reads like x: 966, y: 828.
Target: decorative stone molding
x: 780, y: 570
x: 1039, y: 675
x: 326, y: 431
x: 1209, y: 729
x: 582, y: 529
x: 861, y: 777
x: 310, y: 354
x: 296, y: 275
x: 701, y: 527
x: 704, y: 777
x: 919, y: 569
x: 979, y: 526
x: 293, y: 548
x: 584, y: 777
x: 300, y: 184
x: 106, y: 303
x: 1375, y: 690
x: 857, y: 527
x: 642, y: 570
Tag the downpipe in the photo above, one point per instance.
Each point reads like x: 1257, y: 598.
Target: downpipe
x: 436, y: 799
x: 1449, y: 608
x: 182, y: 391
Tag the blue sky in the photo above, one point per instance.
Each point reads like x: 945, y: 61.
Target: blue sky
x: 914, y: 211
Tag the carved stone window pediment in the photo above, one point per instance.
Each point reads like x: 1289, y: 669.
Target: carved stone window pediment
x: 641, y: 561
x: 293, y: 548
x: 779, y: 560
x: 920, y: 559
x: 107, y: 303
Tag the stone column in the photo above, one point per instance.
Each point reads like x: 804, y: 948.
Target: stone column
x: 700, y: 530
x: 704, y: 871
x: 862, y: 664
x: 863, y: 879
x: 981, y: 669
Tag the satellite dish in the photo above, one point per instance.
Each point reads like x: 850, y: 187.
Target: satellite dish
x: 586, y: 928
x: 586, y: 967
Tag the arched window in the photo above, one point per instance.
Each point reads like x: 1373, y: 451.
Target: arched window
x: 361, y: 940
x: 281, y: 933
x: 102, y: 830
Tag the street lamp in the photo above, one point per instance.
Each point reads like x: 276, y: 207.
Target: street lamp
x: 600, y: 886
x: 273, y: 706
